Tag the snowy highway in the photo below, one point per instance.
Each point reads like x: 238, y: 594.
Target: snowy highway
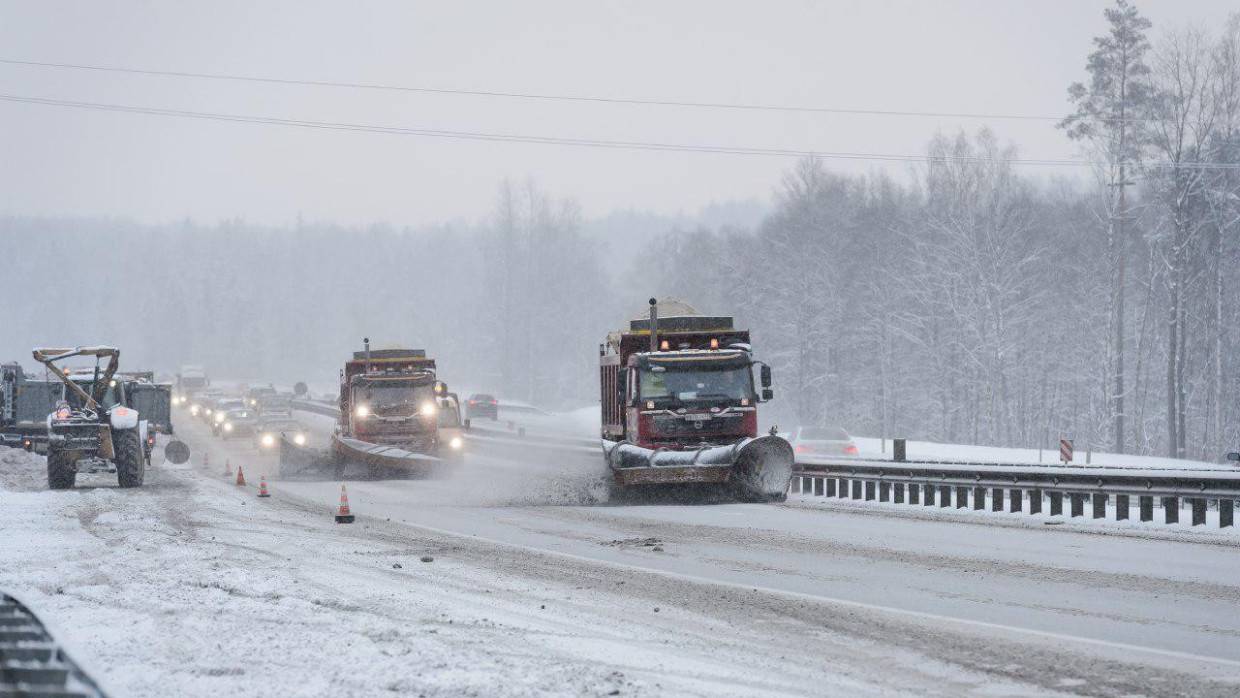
x: 807, y: 597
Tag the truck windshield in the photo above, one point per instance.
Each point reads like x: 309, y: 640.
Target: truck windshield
x: 109, y: 400
x: 395, y: 397
x: 696, y: 383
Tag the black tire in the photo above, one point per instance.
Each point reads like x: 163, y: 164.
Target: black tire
x: 130, y: 465
x: 61, y: 469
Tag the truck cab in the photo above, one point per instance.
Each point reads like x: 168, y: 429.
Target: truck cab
x: 693, y: 388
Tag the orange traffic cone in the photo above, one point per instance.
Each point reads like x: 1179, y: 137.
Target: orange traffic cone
x: 227, y: 468
x: 262, y: 486
x: 240, y: 477
x: 343, y: 515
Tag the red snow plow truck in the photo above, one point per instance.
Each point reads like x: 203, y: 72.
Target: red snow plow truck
x: 679, y: 405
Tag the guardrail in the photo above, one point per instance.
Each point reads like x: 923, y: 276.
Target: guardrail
x: 1010, y: 487
x: 31, y: 662
x: 995, y: 487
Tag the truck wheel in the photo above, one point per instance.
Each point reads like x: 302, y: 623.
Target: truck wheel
x: 130, y: 466
x: 61, y: 469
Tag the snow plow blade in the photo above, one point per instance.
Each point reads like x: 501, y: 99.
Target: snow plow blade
x: 301, y: 460
x: 379, y: 458
x: 759, y: 469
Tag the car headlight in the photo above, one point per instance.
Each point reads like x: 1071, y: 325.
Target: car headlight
x: 300, y: 439
x: 362, y: 411
x: 269, y: 440
x: 228, y: 426
x: 428, y: 408
x: 208, y: 411
x: 456, y: 442
x: 219, y: 417
x: 193, y: 410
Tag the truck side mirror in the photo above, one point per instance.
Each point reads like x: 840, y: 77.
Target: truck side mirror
x: 1233, y: 456
x: 766, y: 376
x: 768, y: 394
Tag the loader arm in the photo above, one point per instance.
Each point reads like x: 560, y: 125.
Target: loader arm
x: 49, y: 357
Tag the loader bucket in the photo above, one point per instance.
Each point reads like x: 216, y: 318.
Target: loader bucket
x: 758, y: 469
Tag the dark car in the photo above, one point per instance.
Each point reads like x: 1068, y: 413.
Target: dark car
x: 236, y: 422
x: 267, y: 435
x: 482, y: 405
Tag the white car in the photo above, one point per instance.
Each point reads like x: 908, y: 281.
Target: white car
x: 823, y: 441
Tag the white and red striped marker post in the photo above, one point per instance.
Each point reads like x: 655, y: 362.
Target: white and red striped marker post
x: 1065, y: 450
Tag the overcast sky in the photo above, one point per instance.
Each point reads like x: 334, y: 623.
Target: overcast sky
x: 962, y: 56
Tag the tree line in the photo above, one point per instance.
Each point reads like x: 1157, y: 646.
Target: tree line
x: 974, y: 301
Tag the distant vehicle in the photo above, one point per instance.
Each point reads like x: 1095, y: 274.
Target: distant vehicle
x: 482, y: 405
x: 267, y: 435
x: 271, y: 406
x: 218, y: 410
x: 255, y: 395
x: 1233, y: 457
x: 191, y: 380
x: 823, y: 441
x: 236, y: 422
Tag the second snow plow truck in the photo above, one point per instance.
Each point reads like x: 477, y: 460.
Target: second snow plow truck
x: 388, y: 419
x: 679, y: 406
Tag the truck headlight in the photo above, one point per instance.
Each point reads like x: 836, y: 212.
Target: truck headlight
x: 193, y: 409
x: 456, y: 442
x: 362, y: 411
x: 228, y: 426
x: 269, y: 440
x: 428, y: 408
x: 300, y: 439
x: 219, y: 417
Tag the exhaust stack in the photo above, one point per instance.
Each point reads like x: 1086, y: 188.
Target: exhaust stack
x: 654, y: 324
x: 366, y: 346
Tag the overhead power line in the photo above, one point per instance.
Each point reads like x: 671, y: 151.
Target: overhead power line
x: 597, y: 99
x: 541, y: 140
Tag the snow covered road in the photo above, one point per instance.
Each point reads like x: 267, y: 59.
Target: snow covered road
x: 195, y: 584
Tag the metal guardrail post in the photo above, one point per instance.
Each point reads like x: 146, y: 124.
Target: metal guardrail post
x: 831, y: 487
x: 1226, y: 512
x: 1199, y: 510
x: 869, y: 490
x: 1078, y: 504
x: 1056, y: 503
x: 1146, y: 505
x: 996, y: 499
x: 856, y: 489
x: 1121, y: 507
x: 962, y: 497
x: 820, y: 486
x: 979, y: 498
x: 1171, y: 509
x: 1016, y: 499
x: 898, y: 495
x: 1035, y: 501
x: 927, y: 492
x: 945, y: 496
x: 914, y: 493
x: 1100, y: 505
x: 884, y: 491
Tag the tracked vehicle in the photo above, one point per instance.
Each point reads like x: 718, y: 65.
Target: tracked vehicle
x: 679, y: 405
